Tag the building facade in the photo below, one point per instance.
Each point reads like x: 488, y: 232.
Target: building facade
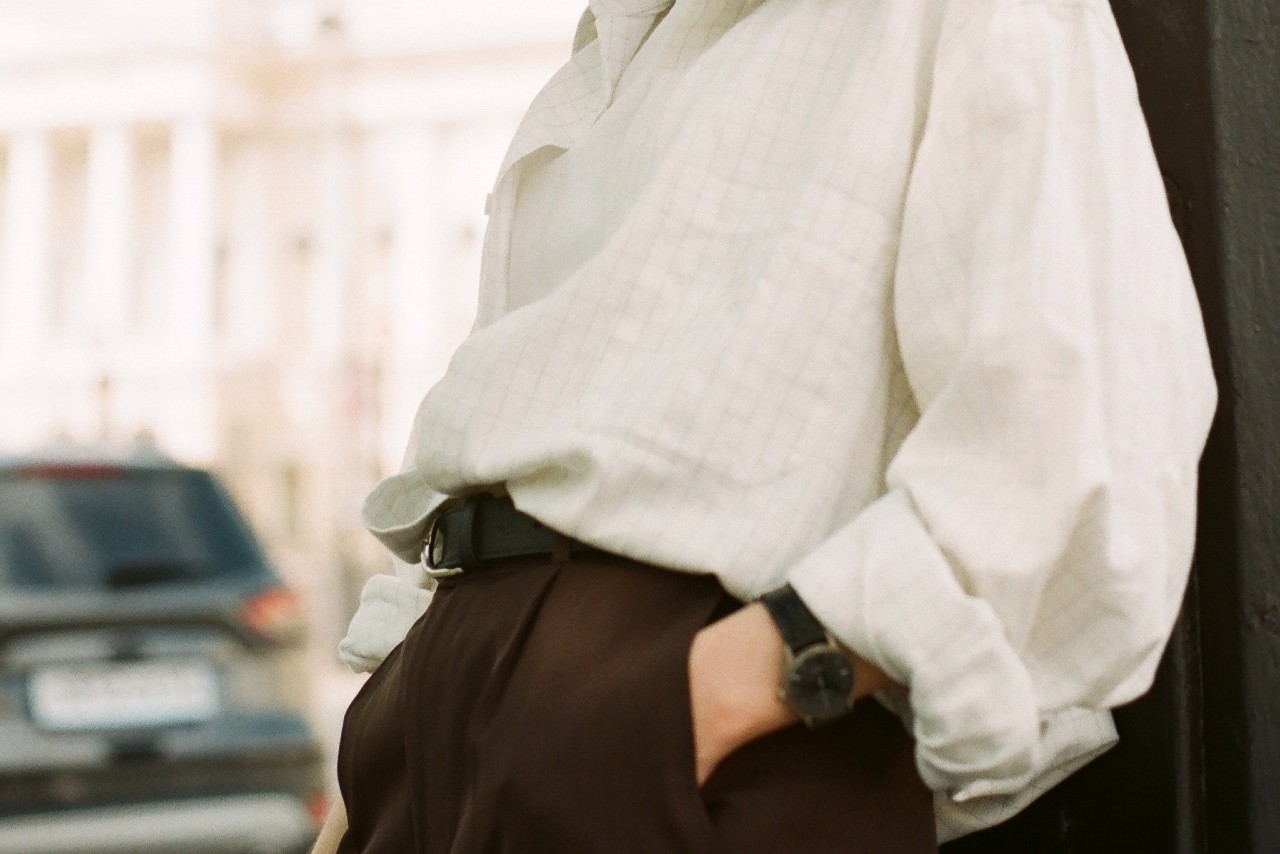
x: 249, y: 232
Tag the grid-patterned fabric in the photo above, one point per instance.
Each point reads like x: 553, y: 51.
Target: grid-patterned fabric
x: 886, y: 302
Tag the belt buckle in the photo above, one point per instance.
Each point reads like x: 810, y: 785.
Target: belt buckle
x: 433, y: 553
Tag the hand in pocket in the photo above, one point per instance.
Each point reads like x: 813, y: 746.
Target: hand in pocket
x: 735, y: 667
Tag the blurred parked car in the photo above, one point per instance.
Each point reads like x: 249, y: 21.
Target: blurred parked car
x: 152, y: 689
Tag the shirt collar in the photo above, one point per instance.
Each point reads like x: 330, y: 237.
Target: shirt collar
x: 621, y: 27
x: 569, y: 102
x: 627, y: 8
x: 583, y: 88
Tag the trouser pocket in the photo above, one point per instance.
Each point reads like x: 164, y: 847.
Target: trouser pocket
x: 590, y: 748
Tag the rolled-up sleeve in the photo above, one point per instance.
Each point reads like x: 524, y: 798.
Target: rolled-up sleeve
x: 1028, y: 557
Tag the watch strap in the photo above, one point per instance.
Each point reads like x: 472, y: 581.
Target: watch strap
x: 796, y: 623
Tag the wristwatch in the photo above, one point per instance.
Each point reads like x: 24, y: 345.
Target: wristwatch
x: 817, y: 681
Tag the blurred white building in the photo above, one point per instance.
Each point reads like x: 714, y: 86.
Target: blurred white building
x: 250, y: 229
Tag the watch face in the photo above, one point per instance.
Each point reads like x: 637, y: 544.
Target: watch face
x: 819, y: 684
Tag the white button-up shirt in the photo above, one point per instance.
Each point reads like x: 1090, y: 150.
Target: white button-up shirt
x: 881, y: 299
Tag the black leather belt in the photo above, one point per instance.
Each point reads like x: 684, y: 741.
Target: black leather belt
x: 486, y: 528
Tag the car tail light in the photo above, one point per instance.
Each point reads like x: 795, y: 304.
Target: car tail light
x: 70, y: 471
x: 318, y: 806
x: 274, y: 615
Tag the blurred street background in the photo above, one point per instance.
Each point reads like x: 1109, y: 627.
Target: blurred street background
x: 247, y: 231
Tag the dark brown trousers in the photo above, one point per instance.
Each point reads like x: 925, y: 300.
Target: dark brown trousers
x: 543, y: 708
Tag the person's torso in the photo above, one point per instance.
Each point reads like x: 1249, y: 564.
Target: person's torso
x: 717, y: 339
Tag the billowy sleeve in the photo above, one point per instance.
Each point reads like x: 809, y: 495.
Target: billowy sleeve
x: 1028, y: 558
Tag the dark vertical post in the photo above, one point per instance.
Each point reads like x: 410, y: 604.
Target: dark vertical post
x: 1242, y: 618
x: 1168, y: 43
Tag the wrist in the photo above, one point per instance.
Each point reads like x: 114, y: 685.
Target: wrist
x: 822, y: 678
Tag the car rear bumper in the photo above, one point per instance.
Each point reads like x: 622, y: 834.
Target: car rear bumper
x: 246, y: 824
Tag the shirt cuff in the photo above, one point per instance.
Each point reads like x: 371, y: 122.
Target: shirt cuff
x: 398, y: 511
x: 1069, y: 739
x: 388, y: 607
x: 882, y: 586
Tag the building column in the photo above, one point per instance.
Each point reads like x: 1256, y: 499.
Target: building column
x: 187, y: 424
x: 109, y: 268
x: 192, y: 165
x: 328, y: 305
x: 24, y: 297
x: 415, y: 358
x: 252, y: 298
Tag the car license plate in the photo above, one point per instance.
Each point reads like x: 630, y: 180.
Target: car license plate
x: 115, y: 695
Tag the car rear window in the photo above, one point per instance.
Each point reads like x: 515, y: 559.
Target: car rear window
x: 90, y: 527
